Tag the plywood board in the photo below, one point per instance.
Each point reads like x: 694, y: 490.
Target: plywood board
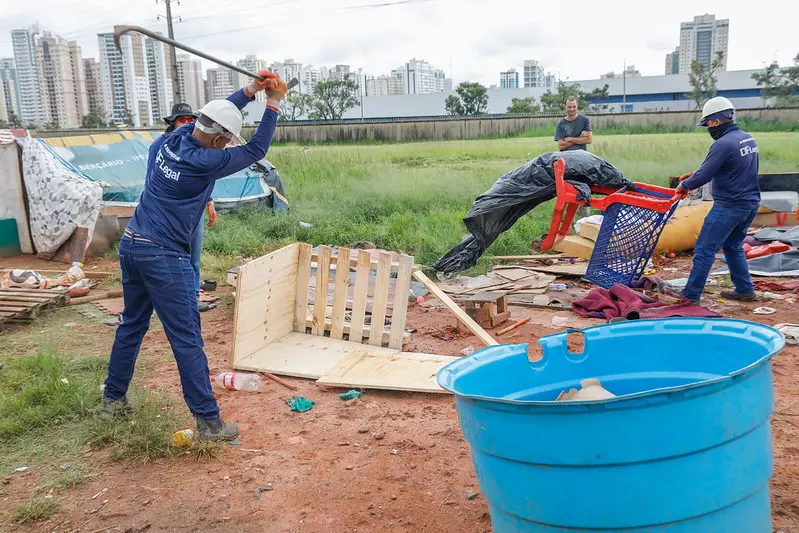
x: 306, y: 356
x: 465, y: 319
x: 399, y: 371
x: 576, y: 246
x: 266, y: 290
x: 589, y: 231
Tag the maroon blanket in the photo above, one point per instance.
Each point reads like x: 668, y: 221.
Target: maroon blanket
x: 777, y: 286
x: 622, y: 301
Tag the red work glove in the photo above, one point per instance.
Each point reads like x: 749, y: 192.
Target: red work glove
x: 681, y: 191
x: 686, y: 176
x: 275, y: 88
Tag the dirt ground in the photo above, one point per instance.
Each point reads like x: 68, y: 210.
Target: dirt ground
x: 386, y: 462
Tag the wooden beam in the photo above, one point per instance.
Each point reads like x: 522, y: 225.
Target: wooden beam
x: 361, y: 290
x: 401, y: 292
x: 341, y: 283
x: 380, y: 299
x: 322, y: 287
x: 470, y: 324
x: 540, y: 257
x: 303, y: 282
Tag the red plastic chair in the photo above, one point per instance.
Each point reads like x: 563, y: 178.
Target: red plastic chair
x: 566, y: 202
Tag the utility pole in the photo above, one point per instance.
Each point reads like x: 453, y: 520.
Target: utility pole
x: 172, y: 55
x: 624, y: 86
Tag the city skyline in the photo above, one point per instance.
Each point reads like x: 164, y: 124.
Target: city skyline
x: 375, y: 39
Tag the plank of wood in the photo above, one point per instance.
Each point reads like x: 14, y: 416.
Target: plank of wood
x: 399, y: 371
x: 4, y: 297
x: 363, y: 269
x: 16, y: 308
x: 322, y: 288
x: 340, y: 286
x: 95, y: 297
x: 266, y: 289
x: 513, y: 274
x: 380, y: 299
x: 31, y: 297
x: 303, y: 281
x: 470, y: 324
x: 354, y: 262
x: 278, y: 380
x: 402, y: 290
x: 91, y: 274
x: 539, y: 257
x: 51, y: 292
x: 566, y: 269
x: 74, y: 249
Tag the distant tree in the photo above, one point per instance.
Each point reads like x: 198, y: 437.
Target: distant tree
x: 523, y: 106
x: 4, y: 125
x: 453, y: 105
x: 595, y: 99
x: 470, y: 99
x: 32, y: 126
x: 52, y: 125
x: 554, y: 102
x: 14, y: 120
x: 127, y: 119
x: 703, y: 80
x: 779, y: 83
x: 295, y: 105
x: 93, y: 120
x: 333, y: 98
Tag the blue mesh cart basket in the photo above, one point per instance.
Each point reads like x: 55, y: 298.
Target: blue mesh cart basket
x: 631, y: 227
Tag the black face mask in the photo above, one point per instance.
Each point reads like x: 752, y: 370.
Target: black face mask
x: 717, y: 131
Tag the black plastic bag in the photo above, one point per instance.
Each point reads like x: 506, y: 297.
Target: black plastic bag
x: 519, y: 191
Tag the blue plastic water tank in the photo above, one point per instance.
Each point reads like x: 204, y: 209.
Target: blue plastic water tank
x: 684, y: 447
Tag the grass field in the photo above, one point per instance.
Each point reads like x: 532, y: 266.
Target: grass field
x: 412, y: 197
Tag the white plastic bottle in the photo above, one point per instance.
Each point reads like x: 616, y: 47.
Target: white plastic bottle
x: 75, y: 272
x: 237, y: 381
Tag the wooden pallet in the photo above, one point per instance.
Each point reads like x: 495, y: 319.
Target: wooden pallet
x: 271, y: 321
x: 18, y: 304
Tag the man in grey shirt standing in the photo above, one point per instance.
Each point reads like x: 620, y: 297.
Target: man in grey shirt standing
x: 574, y: 131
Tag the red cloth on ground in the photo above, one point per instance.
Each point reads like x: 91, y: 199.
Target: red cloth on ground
x: 775, y: 247
x: 622, y: 301
x: 776, y: 286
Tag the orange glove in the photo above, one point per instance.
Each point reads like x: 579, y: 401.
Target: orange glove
x: 275, y: 88
x: 260, y: 85
x: 686, y: 176
x: 211, y: 213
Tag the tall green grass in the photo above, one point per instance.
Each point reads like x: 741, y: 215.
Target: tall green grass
x: 616, y: 128
x: 412, y: 197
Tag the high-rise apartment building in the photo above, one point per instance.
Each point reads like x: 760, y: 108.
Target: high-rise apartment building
x: 701, y: 39
x: 673, y: 62
x: 221, y: 83
x: 159, y: 74
x: 126, y: 80
x: 509, y: 79
x: 417, y: 77
x: 190, y: 78
x: 31, y: 109
x: 10, y: 83
x: 94, y: 86
x: 61, y: 80
x: 533, y: 73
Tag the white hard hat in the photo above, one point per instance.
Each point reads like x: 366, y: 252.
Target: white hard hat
x: 715, y: 105
x: 221, y: 116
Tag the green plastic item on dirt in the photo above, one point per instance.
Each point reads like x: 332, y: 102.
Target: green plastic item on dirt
x: 351, y: 395
x: 300, y: 403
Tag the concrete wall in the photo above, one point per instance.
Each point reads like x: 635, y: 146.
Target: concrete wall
x: 12, y: 201
x: 475, y: 128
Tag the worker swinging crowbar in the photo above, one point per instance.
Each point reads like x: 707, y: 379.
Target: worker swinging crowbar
x: 121, y: 30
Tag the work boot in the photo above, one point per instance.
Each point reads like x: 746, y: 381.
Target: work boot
x: 215, y: 429
x: 115, y: 408
x: 733, y: 295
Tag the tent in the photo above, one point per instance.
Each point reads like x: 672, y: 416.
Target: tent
x: 118, y: 161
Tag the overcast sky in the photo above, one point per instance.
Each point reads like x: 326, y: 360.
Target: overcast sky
x: 473, y: 40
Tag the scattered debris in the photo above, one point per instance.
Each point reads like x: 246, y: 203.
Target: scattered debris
x: 305, y: 224
x: 560, y: 321
x: 350, y: 467
x: 469, y: 350
x: 22, y: 469
x: 790, y: 332
x: 514, y: 326
x: 470, y: 494
x: 263, y: 488
x: 379, y: 436
x: 279, y: 380
x: 300, y: 404
x: 350, y: 395
x: 183, y: 438
x: 764, y: 311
